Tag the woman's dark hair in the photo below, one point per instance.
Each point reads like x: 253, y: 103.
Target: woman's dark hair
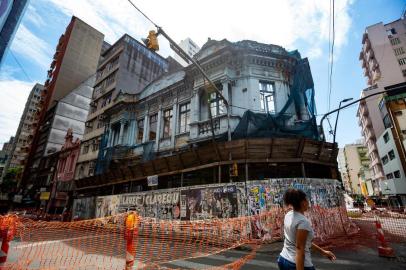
x: 294, y: 197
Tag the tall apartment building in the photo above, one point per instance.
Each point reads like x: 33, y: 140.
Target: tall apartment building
x: 11, y: 13
x: 383, y: 59
x: 392, y: 144
x: 75, y: 61
x: 5, y: 155
x: 189, y: 47
x: 357, y: 170
x: 28, y: 122
x: 342, y: 167
x: 127, y: 67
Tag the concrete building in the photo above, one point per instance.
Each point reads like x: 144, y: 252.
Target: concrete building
x: 357, y: 170
x: 75, y: 61
x: 62, y: 184
x: 342, y: 167
x: 128, y: 66
x: 392, y: 143
x: 189, y: 47
x: 175, y: 129
x: 388, y: 40
x: 28, y: 122
x: 11, y: 13
x: 5, y: 155
x: 69, y: 114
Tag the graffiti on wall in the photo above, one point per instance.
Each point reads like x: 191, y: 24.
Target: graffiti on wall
x: 217, y: 200
x: 163, y: 205
x: 83, y: 208
x: 209, y: 202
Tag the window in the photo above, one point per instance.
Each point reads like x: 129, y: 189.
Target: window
x: 385, y: 160
x: 95, y: 146
x: 267, y: 96
x: 404, y: 72
x: 391, y: 32
x: 85, y: 149
x: 394, y: 41
x: 389, y: 176
x: 71, y: 163
x: 386, y: 137
x: 396, y: 174
x: 153, y: 119
x: 216, y: 104
x: 184, y: 117
x: 391, y: 155
x: 167, y: 123
x: 140, y: 133
x: 110, y: 79
x: 381, y: 104
x: 398, y: 113
x: 399, y: 51
x: 387, y: 122
x: 402, y: 61
x: 106, y: 100
x: 91, y: 168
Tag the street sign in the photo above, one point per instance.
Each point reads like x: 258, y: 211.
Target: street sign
x: 152, y: 180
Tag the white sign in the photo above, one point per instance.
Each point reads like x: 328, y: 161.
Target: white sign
x: 152, y: 180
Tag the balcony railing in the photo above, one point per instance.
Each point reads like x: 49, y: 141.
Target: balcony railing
x: 205, y: 127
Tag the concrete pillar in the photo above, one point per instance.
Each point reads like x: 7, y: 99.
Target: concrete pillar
x: 134, y: 138
x: 146, y: 129
x: 131, y: 132
x: 120, y: 136
x: 109, y: 137
x: 158, y: 127
x: 175, y: 117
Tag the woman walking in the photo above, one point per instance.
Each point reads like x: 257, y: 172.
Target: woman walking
x: 299, y: 234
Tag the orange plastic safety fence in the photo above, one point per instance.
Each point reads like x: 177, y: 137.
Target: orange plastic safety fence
x: 147, y: 243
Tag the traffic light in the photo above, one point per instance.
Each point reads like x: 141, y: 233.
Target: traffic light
x: 152, y: 41
x: 234, y: 169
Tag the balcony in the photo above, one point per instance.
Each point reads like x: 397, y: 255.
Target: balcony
x: 364, y: 111
x: 364, y: 38
x: 370, y: 135
x: 361, y: 55
x: 205, y: 127
x: 367, y: 45
x: 370, y: 55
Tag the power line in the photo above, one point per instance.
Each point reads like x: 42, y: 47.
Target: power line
x: 331, y: 56
x: 143, y: 14
x: 18, y: 63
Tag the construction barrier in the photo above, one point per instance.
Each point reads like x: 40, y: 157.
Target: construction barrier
x: 130, y: 241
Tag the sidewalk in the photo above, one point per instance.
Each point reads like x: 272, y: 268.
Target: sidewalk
x: 358, y: 257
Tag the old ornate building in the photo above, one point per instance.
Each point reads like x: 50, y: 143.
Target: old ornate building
x: 176, y: 129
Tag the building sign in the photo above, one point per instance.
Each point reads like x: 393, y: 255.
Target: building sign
x: 44, y: 196
x: 152, y: 180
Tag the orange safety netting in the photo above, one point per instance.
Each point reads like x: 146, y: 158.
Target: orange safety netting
x: 106, y: 243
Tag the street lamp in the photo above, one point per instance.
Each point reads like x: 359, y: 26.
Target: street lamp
x: 338, y: 113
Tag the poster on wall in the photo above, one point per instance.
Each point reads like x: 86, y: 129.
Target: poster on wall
x: 107, y: 206
x: 84, y: 208
x: 209, y: 202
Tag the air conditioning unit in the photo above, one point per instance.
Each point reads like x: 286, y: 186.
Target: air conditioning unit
x: 101, y: 117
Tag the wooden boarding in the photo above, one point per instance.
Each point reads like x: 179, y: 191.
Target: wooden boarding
x: 210, y: 154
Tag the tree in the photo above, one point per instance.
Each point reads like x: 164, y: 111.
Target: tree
x: 9, y: 183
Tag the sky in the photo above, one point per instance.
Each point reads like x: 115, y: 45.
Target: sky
x: 293, y: 24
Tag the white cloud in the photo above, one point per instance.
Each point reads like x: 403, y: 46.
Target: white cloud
x: 13, y: 96
x: 32, y: 47
x: 34, y: 17
x: 279, y: 22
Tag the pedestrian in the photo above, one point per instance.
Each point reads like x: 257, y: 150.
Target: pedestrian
x: 299, y: 234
